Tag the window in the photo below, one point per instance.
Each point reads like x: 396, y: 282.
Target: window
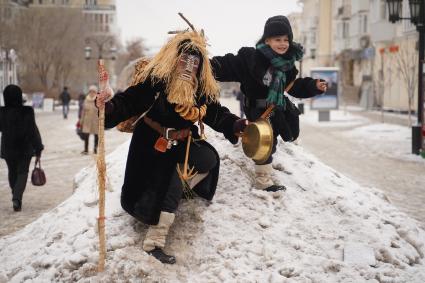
x: 363, y: 24
x: 91, y: 2
x: 345, y: 29
x: 339, y: 30
x: 383, y: 10
x: 312, y: 37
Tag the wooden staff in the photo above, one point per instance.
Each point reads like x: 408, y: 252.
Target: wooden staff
x: 101, y: 170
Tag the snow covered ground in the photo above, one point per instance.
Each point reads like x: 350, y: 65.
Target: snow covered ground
x: 393, y: 141
x: 243, y: 235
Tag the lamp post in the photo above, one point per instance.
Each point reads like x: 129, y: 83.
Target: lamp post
x: 4, y: 58
x: 417, y: 17
x: 102, y: 45
x: 105, y: 48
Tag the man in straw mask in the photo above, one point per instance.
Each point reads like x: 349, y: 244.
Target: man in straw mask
x: 177, y: 90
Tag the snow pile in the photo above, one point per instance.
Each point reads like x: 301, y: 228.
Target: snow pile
x: 338, y: 118
x: 244, y: 235
x: 387, y: 139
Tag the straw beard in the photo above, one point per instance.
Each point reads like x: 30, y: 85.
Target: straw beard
x: 184, y: 83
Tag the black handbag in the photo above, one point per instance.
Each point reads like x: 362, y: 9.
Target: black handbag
x: 38, y: 177
x: 79, y: 130
x: 286, y: 121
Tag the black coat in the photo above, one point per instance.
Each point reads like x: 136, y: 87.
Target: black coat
x: 65, y: 97
x: 20, y: 136
x: 248, y: 68
x: 148, y: 171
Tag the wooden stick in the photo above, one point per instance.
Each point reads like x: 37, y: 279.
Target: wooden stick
x: 186, y: 158
x: 101, y: 173
x: 177, y: 31
x: 187, y: 21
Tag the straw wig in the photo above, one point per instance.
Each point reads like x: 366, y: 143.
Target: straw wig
x: 163, y: 68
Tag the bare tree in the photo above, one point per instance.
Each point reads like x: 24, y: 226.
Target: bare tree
x: 133, y: 50
x: 406, y: 61
x: 49, y: 43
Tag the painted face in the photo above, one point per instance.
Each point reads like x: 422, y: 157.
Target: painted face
x: 279, y: 44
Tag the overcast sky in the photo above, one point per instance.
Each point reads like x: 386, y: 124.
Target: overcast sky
x: 229, y: 24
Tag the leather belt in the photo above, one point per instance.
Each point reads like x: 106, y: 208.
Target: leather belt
x: 255, y: 103
x: 168, y: 133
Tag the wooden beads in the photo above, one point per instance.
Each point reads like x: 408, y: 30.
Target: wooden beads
x: 191, y: 113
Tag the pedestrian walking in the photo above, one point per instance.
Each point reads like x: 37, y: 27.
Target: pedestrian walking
x: 65, y: 98
x: 264, y: 72
x: 89, y: 121
x: 176, y: 89
x: 20, y: 141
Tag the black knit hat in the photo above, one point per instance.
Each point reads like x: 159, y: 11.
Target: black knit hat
x: 12, y: 95
x: 276, y: 26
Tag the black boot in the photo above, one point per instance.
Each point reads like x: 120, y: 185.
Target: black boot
x: 159, y: 254
x: 275, y: 188
x: 17, y: 205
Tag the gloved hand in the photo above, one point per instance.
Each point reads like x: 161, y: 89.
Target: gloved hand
x: 239, y: 126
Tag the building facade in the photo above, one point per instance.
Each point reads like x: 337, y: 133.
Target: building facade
x: 315, y: 34
x: 377, y: 59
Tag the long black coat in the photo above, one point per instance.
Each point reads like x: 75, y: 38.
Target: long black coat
x: 148, y: 171
x: 20, y: 136
x: 248, y: 68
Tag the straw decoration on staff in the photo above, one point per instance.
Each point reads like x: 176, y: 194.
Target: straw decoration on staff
x: 101, y: 170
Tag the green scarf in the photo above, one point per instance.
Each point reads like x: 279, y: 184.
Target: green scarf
x: 281, y: 64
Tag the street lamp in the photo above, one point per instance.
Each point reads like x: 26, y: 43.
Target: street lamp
x: 102, y: 44
x: 417, y: 17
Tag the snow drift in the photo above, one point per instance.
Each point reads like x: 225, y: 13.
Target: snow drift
x: 243, y: 235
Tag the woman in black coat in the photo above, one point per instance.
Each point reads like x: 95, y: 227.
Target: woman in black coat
x: 20, y: 140
x: 264, y: 72
x: 152, y: 187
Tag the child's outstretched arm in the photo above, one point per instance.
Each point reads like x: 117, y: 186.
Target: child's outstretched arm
x: 228, y: 68
x: 307, y: 87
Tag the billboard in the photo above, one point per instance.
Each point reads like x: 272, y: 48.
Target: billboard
x: 329, y: 99
x: 37, y: 100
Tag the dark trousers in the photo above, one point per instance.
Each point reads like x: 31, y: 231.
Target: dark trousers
x: 18, y: 175
x: 201, y: 157
x: 86, y: 142
x: 65, y: 110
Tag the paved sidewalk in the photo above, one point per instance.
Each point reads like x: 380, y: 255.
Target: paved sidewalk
x: 61, y: 160
x: 381, y: 117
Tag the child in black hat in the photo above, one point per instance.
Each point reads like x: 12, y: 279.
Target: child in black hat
x: 264, y: 72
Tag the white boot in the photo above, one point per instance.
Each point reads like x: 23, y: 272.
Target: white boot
x: 263, y: 178
x: 157, y: 234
